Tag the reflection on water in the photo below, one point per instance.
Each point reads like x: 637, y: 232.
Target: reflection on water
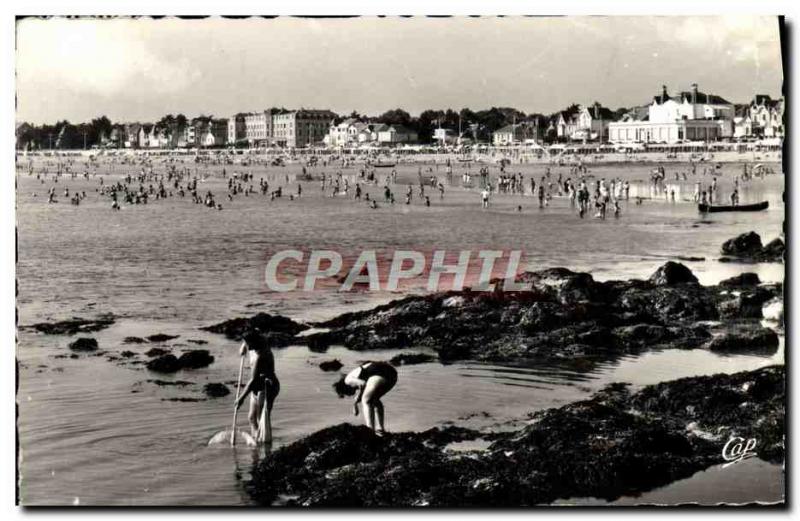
x: 733, y: 485
x: 97, y: 430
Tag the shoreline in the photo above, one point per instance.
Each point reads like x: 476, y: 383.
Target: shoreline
x: 405, y: 157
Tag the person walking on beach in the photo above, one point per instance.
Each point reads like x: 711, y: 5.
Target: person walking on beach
x: 263, y: 386
x: 485, y: 198
x: 373, y: 380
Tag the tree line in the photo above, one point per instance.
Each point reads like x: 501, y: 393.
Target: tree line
x: 478, y: 125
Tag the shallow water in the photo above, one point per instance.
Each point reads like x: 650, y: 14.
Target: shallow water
x: 96, y: 430
x: 730, y: 485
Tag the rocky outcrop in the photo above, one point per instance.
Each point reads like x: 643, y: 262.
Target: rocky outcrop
x: 84, y: 344
x: 331, y: 365
x: 741, y: 280
x: 216, y: 390
x: 411, y: 359
x: 616, y: 443
x: 267, y: 323
x: 672, y: 273
x: 748, y: 247
x: 73, y: 326
x: 564, y: 314
x: 164, y: 364
x: 161, y: 337
x: 195, y: 359
x: 156, y: 351
x: 169, y: 363
x: 745, y: 338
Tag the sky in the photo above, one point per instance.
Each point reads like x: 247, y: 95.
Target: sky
x: 141, y: 69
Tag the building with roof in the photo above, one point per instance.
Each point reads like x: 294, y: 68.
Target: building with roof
x: 365, y: 132
x: 344, y: 133
x: 688, y: 116
x: 396, y: 135
x: 766, y: 115
x: 592, y: 123
x: 132, y: 135
x: 236, y: 128
x: 259, y: 127
x: 214, y: 133
x: 301, y: 128
x: 567, y: 122
x: 517, y: 134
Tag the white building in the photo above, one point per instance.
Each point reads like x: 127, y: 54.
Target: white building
x: 592, y: 123
x: 259, y: 127
x: 767, y: 116
x: 688, y: 116
x: 343, y: 134
x: 236, y: 128
x: 395, y: 135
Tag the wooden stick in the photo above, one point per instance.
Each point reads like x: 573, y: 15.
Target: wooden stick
x: 236, y: 410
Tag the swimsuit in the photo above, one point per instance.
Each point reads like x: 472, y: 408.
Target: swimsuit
x: 382, y: 369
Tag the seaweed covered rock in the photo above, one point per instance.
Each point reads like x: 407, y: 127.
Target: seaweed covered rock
x: 195, y: 359
x: 745, y: 245
x: 746, y: 338
x: 411, y: 359
x: 161, y: 337
x: 84, y: 344
x: 673, y: 273
x: 615, y: 443
x: 742, y: 280
x: 745, y: 301
x: 164, y: 364
x: 331, y: 365
x: 748, y: 247
x: 559, y: 284
x: 74, y: 325
x: 774, y: 250
x: 236, y: 327
x: 562, y: 315
x: 216, y: 390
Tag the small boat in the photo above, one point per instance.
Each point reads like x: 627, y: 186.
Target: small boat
x: 381, y: 164
x: 756, y: 207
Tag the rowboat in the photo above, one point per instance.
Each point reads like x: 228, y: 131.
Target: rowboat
x: 384, y: 165
x: 756, y: 207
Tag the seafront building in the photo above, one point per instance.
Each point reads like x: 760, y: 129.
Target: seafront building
x: 301, y: 128
x: 259, y: 128
x: 687, y: 116
x: 344, y: 134
x: 353, y: 132
x: 395, y: 135
x: 236, y: 128
x: 766, y: 116
x: 518, y: 134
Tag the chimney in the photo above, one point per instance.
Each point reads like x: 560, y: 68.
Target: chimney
x: 663, y: 93
x: 694, y: 93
